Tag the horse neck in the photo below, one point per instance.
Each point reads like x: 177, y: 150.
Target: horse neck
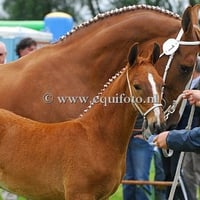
x: 111, y: 34
x: 125, y: 28
x: 113, y: 122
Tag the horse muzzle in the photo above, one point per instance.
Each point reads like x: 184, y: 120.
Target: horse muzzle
x: 152, y: 128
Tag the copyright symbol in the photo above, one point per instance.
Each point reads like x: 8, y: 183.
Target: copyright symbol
x: 48, y: 98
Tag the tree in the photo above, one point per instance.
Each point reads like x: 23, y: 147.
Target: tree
x: 29, y: 10
x: 165, y: 4
x: 81, y: 10
x: 35, y: 9
x: 193, y: 2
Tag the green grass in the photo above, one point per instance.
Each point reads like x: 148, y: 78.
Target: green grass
x: 118, y: 194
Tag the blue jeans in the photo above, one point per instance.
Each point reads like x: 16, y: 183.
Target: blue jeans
x: 138, y: 162
x: 160, y: 192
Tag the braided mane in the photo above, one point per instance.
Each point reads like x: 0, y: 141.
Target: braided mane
x: 110, y: 80
x: 118, y: 11
x: 102, y: 16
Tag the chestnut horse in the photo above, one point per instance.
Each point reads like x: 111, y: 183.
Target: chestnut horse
x: 57, y: 82
x: 84, y: 158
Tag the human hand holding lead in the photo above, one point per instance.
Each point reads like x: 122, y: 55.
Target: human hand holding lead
x: 161, y: 140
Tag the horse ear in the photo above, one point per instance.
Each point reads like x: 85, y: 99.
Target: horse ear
x: 133, y: 54
x: 186, y: 19
x: 156, y: 53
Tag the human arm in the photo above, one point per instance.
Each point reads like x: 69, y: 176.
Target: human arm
x: 179, y: 140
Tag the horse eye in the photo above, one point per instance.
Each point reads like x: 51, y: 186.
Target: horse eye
x: 137, y: 87
x: 186, y: 69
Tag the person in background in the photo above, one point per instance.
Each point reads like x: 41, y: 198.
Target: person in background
x: 138, y: 161
x: 3, y: 53
x: 182, y: 140
x: 25, y: 46
x: 190, y: 168
x: 191, y: 162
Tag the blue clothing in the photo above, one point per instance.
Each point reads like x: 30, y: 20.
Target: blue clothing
x: 184, y: 140
x: 139, y: 156
x: 170, y: 163
x: 184, y: 119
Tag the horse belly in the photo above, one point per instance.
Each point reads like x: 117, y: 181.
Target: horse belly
x: 28, y: 179
x: 37, y: 192
x: 32, y: 184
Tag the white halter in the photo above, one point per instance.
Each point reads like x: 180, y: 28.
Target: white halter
x: 135, y: 104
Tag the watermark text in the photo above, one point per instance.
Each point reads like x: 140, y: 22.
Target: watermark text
x: 49, y: 98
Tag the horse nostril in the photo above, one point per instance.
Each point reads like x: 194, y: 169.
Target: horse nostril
x: 157, y: 127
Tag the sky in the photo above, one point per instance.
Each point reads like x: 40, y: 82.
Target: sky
x: 176, y: 2
x: 2, y: 13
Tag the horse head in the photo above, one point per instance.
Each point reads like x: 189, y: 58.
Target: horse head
x: 181, y: 60
x: 146, y: 98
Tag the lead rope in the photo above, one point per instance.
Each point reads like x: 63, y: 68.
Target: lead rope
x: 172, y: 108
x: 180, y: 161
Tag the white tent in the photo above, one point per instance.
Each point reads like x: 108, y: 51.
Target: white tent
x: 14, y: 32
x: 12, y: 35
